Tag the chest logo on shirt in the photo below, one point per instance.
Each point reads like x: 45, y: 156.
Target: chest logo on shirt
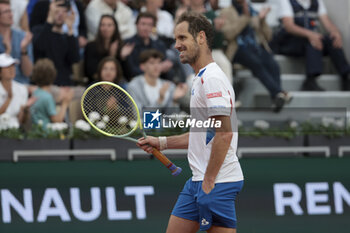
x: 192, y: 92
x: 214, y: 95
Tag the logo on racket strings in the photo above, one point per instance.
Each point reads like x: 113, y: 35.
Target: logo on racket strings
x: 152, y: 120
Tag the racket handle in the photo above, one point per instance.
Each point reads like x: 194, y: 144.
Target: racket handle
x: 167, y: 163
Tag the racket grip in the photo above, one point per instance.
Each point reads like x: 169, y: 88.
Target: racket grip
x: 167, y: 163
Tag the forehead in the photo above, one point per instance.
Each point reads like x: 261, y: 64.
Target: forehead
x: 107, y: 20
x: 181, y: 29
x: 147, y: 20
x: 2, y: 5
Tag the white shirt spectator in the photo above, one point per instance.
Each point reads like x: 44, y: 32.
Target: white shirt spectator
x: 123, y: 15
x: 286, y: 9
x: 19, y: 99
x: 18, y: 8
x: 165, y: 23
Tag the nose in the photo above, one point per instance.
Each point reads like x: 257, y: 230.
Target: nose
x: 177, y: 45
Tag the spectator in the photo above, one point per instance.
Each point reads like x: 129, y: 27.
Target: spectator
x: 248, y: 35
x: 107, y: 43
x: 44, y: 109
x: 183, y: 7
x: 13, y: 95
x: 15, y: 42
x: 122, y: 13
x: 142, y: 40
x: 148, y: 90
x: 41, y: 10
x: 109, y: 70
x: 20, y: 16
x: 165, y: 21
x: 51, y: 42
x: 301, y: 36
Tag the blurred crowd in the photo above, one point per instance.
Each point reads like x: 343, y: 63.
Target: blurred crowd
x: 50, y: 51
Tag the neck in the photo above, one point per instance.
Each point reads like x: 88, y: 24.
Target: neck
x: 106, y: 43
x: 202, y: 61
x: 112, y: 5
x: 4, y: 30
x: 150, y: 81
x: 152, y: 9
x: 198, y: 8
x: 57, y: 29
x: 46, y: 88
x: 146, y: 40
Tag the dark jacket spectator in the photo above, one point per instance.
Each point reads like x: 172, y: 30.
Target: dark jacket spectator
x: 50, y: 42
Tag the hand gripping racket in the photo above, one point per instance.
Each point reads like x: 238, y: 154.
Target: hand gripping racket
x: 112, y: 111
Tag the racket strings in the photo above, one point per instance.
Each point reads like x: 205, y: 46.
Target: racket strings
x: 111, y: 110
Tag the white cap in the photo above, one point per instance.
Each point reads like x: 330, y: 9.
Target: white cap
x: 6, y: 60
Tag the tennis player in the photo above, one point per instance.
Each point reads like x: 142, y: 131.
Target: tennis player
x: 207, y: 201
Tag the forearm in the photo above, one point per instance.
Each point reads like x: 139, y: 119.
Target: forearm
x: 5, y: 105
x: 294, y: 29
x: 218, y: 154
x: 178, y: 141
x: 26, y: 65
x: 59, y: 117
x: 23, y: 114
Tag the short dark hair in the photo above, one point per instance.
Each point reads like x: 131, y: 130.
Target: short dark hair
x: 198, y: 22
x: 146, y: 15
x: 148, y: 54
x: 44, y: 72
x: 5, y: 2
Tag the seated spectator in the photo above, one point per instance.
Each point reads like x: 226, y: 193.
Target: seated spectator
x: 15, y: 42
x: 44, y: 109
x: 109, y: 70
x: 165, y: 22
x: 142, y: 40
x: 107, y: 43
x: 13, y: 95
x: 248, y: 34
x: 122, y: 13
x: 148, y: 90
x: 51, y: 42
x: 41, y: 10
x: 301, y: 36
x: 183, y: 7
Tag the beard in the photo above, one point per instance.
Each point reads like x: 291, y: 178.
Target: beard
x: 192, y: 56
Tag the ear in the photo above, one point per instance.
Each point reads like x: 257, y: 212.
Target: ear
x: 201, y: 38
x: 142, y: 67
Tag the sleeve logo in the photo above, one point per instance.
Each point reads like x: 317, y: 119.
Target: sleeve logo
x: 214, y: 95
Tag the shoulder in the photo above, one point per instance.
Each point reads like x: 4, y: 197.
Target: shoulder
x: 95, y: 4
x: 136, y: 82
x: 165, y: 14
x: 20, y: 88
x: 123, y: 8
x: 18, y: 32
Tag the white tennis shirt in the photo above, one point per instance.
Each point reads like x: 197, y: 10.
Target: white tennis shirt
x: 212, y: 95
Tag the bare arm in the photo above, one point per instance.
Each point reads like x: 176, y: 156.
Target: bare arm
x: 59, y: 117
x: 221, y: 144
x: 5, y: 105
x: 332, y: 30
x: 7, y: 101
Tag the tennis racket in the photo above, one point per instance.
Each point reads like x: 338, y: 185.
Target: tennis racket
x: 112, y: 111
